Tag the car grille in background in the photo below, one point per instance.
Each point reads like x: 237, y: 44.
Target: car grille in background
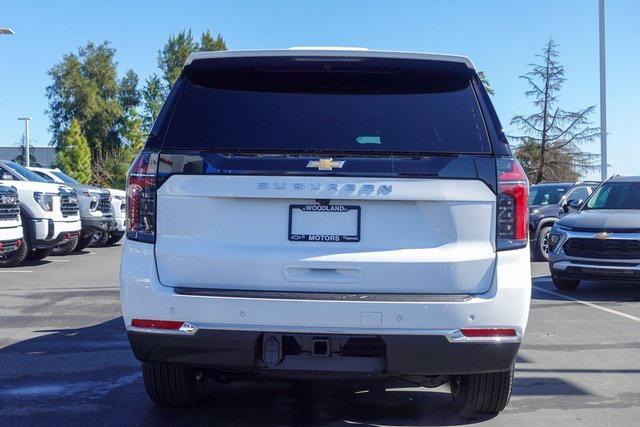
x: 68, y: 204
x: 9, y: 211
x: 105, y: 203
x: 603, y: 248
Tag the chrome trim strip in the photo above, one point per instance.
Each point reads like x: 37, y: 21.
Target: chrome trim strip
x: 563, y: 265
x: 185, y: 329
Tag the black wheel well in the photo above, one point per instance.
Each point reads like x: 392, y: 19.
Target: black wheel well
x: 544, y: 223
x: 27, y: 224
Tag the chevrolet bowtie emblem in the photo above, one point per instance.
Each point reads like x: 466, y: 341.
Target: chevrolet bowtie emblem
x: 602, y: 235
x: 325, y: 164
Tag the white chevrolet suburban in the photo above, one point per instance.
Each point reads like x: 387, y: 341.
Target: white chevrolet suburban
x: 12, y: 248
x: 49, y: 212
x: 327, y: 213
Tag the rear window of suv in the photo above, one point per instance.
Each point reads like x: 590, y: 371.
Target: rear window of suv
x: 370, y: 106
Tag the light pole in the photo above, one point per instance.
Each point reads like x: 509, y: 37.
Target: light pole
x: 603, y: 95
x: 27, y: 121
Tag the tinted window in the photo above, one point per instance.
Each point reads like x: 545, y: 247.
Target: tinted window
x: 395, y: 111
x: 25, y: 173
x: 546, y: 194
x: 616, y: 195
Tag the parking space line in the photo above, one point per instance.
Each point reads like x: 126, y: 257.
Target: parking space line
x: 58, y: 260
x: 589, y: 304
x: 16, y: 271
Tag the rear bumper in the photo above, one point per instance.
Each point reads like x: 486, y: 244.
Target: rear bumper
x: 403, y: 354
x: 412, y: 329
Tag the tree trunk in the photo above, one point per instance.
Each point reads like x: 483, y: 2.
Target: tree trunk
x: 545, y: 119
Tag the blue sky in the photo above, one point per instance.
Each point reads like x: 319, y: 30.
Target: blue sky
x: 500, y: 36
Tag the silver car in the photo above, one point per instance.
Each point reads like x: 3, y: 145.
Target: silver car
x: 601, y: 240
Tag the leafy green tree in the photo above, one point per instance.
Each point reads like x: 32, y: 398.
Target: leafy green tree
x: 74, y: 155
x: 152, y: 100
x: 557, y: 132
x: 86, y: 88
x: 173, y: 55
x: 565, y: 164
x: 171, y: 58
x: 178, y: 48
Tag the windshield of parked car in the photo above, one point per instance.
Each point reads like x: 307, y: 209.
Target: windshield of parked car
x: 24, y: 172
x: 615, y: 195
x: 65, y: 178
x: 546, y: 194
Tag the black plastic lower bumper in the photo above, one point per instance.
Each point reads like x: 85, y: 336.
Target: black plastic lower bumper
x: 8, y: 246
x: 53, y: 242
x: 240, y: 351
x: 601, y: 272
x: 92, y: 225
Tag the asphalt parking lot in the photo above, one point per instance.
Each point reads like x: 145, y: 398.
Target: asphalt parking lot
x: 64, y: 359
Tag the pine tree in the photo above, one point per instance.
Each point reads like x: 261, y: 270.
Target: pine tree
x: 73, y: 155
x: 555, y: 131
x: 485, y: 82
x: 208, y: 43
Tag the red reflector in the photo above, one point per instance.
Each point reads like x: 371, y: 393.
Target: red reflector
x: 156, y: 324
x: 500, y: 332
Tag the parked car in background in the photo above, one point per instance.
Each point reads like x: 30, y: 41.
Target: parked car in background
x: 108, y: 238
x: 12, y: 248
x: 601, y: 241
x: 547, y: 204
x: 95, y: 205
x: 332, y: 213
x: 118, y: 207
x: 49, y: 211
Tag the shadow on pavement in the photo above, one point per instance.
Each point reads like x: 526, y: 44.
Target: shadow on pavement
x: 81, y: 374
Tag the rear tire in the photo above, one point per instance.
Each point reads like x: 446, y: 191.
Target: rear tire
x: 16, y: 257
x: 173, y: 385
x: 541, y: 248
x: 482, y: 393
x: 114, y: 238
x: 83, y: 242
x: 65, y: 248
x: 38, y: 254
x: 565, y: 284
x: 99, y: 239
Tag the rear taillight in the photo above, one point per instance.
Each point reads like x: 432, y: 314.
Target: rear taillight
x: 156, y: 324
x: 512, y: 212
x: 141, y: 198
x: 488, y: 332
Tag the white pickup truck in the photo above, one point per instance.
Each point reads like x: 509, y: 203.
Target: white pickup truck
x: 12, y: 248
x: 94, y: 203
x: 50, y: 215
